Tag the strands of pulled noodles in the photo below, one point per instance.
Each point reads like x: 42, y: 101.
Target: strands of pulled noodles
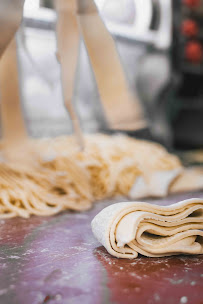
x: 62, y: 177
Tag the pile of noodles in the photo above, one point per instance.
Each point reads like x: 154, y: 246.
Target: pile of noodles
x: 62, y: 177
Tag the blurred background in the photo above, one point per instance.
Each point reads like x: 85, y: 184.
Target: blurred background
x: 160, y: 43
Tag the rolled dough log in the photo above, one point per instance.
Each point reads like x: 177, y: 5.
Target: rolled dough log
x: 129, y: 228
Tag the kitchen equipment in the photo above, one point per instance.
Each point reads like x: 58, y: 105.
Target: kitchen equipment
x: 170, y: 82
x: 187, y: 73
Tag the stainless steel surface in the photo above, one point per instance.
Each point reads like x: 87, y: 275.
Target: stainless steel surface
x: 10, y: 17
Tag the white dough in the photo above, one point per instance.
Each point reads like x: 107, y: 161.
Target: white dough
x: 157, y: 184
x: 129, y: 228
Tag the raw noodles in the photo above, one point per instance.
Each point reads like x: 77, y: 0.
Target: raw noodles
x: 62, y: 177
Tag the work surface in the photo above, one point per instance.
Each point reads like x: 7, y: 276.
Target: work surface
x: 57, y: 260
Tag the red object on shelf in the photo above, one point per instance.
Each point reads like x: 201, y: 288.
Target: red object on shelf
x: 191, y: 3
x: 189, y: 28
x: 194, y: 52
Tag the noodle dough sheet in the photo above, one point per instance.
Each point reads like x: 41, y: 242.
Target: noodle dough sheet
x: 130, y: 228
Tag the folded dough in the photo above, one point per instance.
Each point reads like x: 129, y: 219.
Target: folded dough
x: 126, y: 229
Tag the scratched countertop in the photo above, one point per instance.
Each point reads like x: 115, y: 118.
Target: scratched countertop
x: 57, y: 260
